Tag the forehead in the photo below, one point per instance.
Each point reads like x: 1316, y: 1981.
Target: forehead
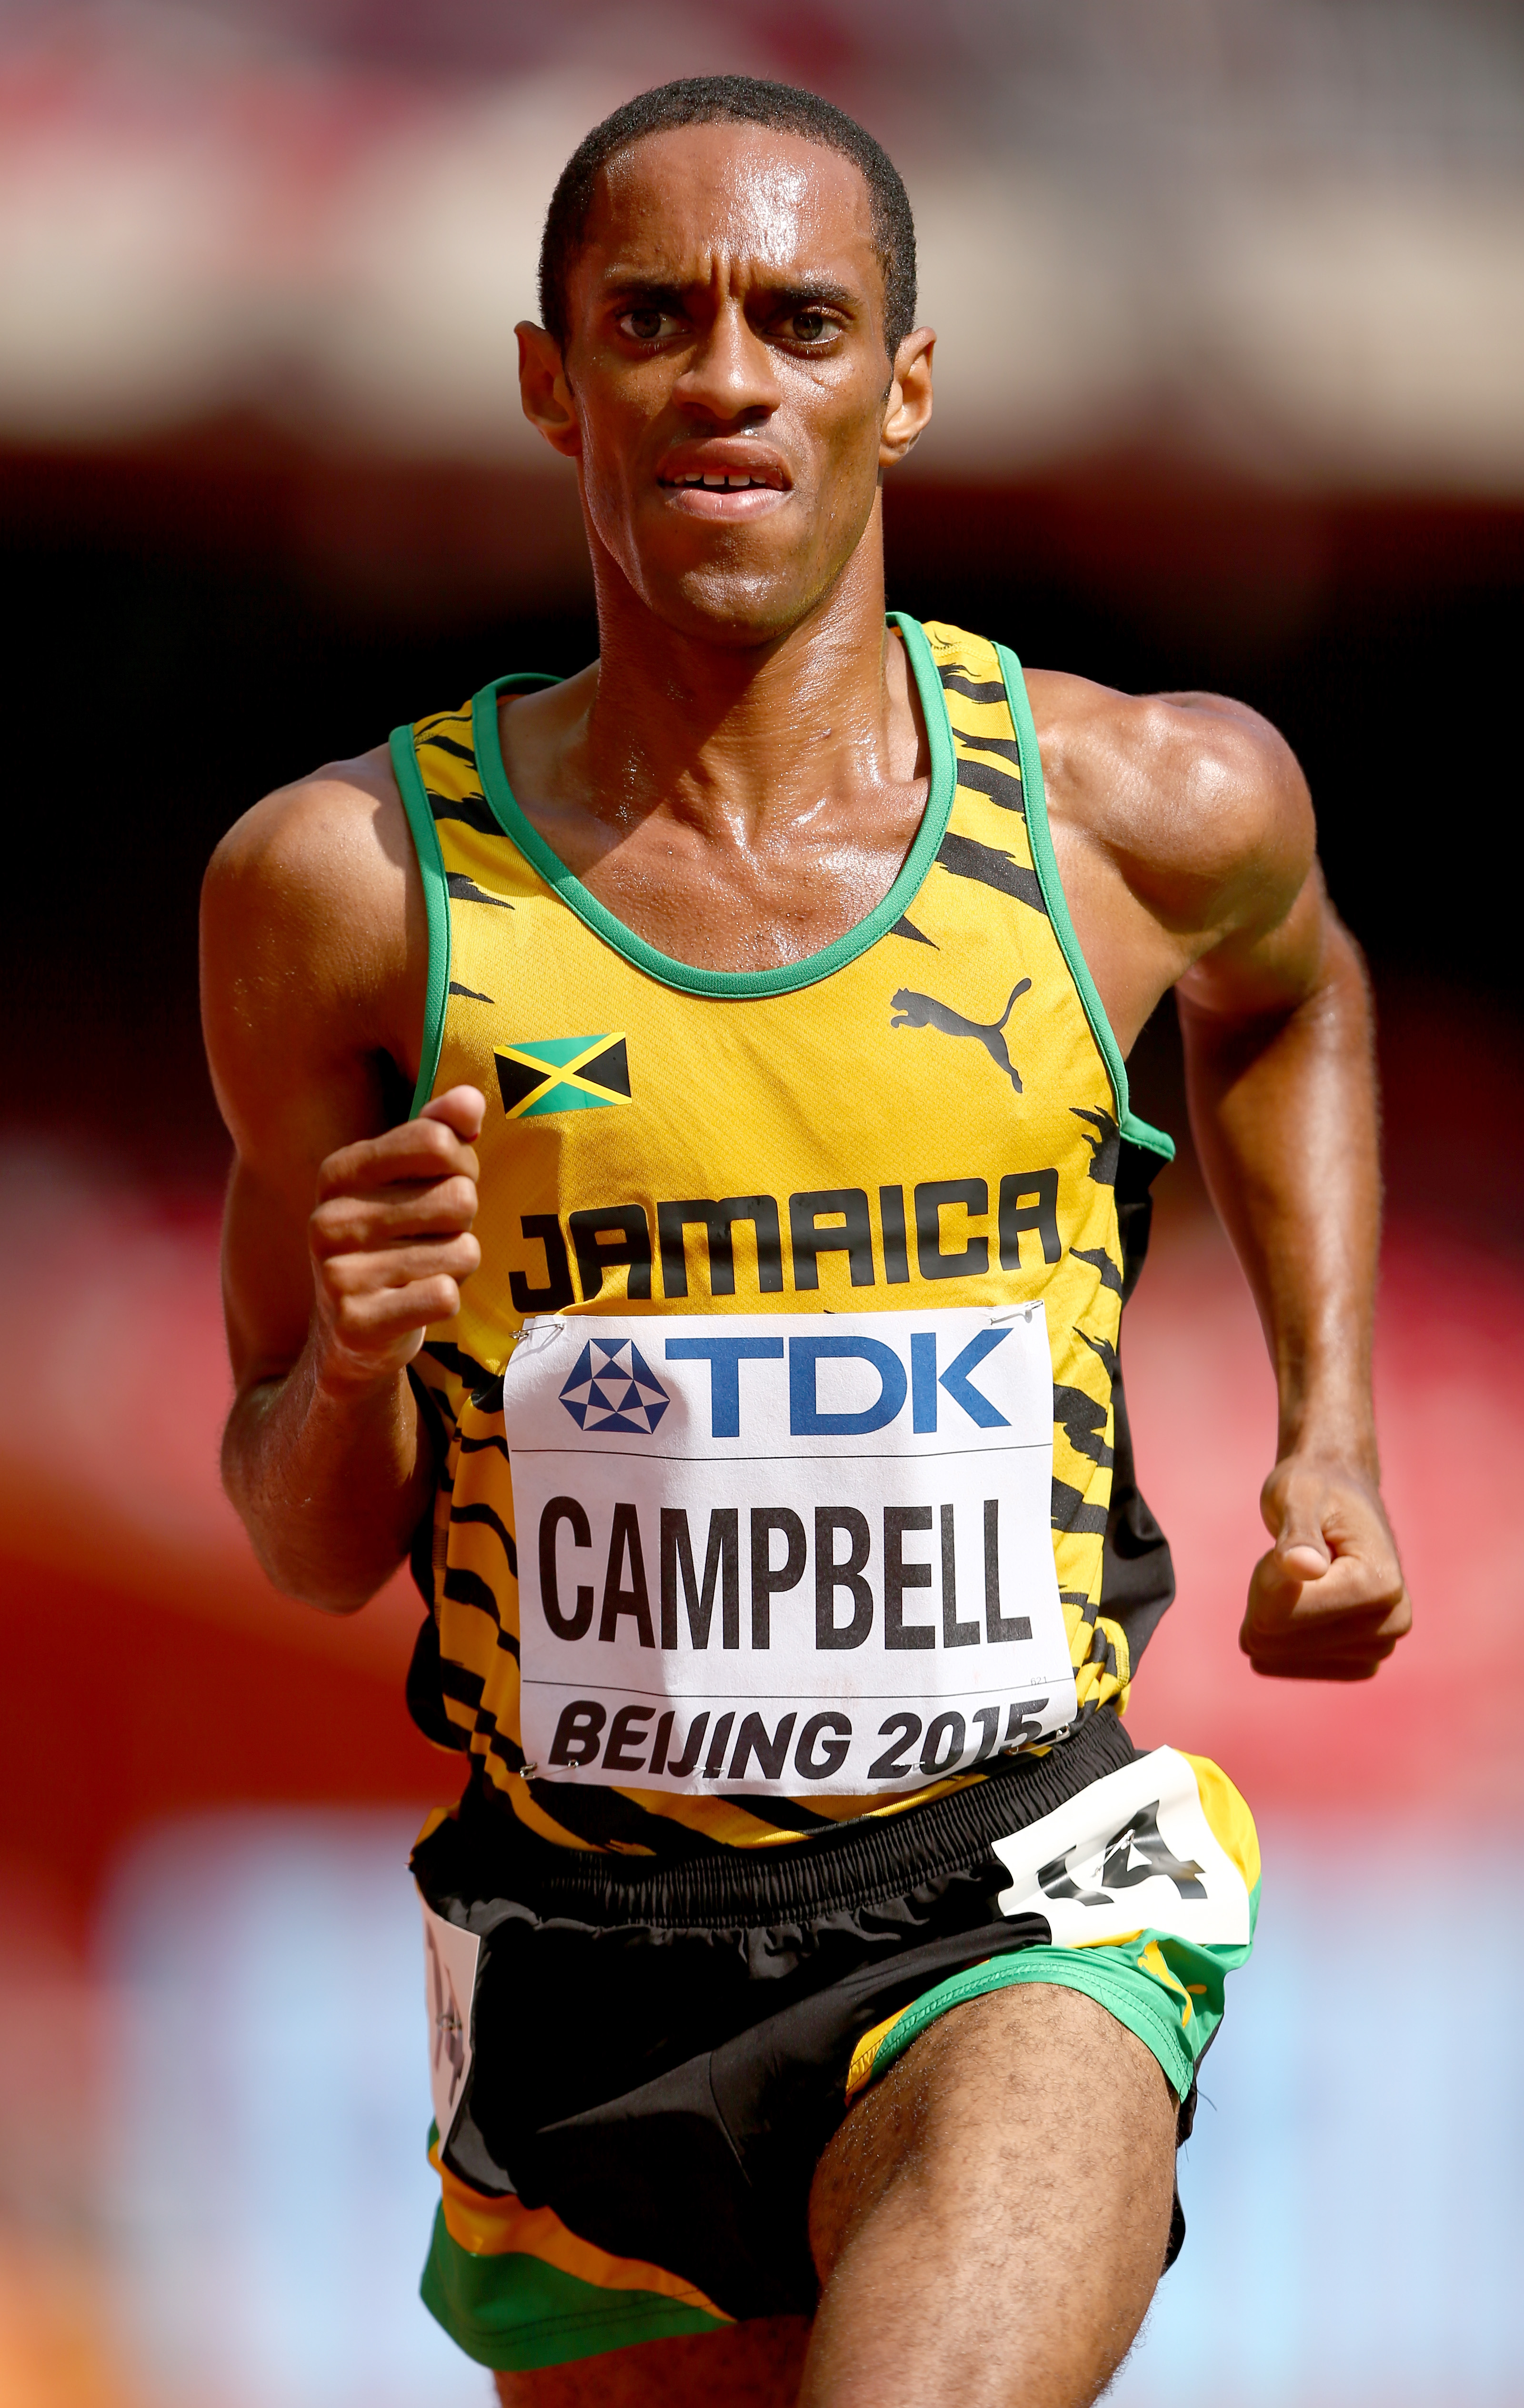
x: 674, y: 203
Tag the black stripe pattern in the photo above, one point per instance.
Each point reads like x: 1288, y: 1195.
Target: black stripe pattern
x: 963, y: 858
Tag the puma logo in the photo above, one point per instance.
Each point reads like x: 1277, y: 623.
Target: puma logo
x: 912, y: 1011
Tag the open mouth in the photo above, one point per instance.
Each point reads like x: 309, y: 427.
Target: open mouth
x: 722, y: 478
x: 710, y: 481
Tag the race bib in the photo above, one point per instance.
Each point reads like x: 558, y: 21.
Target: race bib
x: 785, y: 1553
x: 1133, y: 1852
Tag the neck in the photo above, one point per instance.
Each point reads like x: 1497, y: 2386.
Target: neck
x: 742, y: 735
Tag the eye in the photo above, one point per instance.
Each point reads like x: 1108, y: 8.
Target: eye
x: 809, y: 326
x: 647, y: 323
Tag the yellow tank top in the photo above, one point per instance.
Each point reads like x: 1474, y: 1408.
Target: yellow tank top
x: 931, y: 1112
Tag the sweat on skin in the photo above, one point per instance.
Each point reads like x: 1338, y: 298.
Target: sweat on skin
x: 738, y: 779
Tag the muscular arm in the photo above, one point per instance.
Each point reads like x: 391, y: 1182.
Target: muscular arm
x: 1283, y: 1098
x: 345, y: 1234
x: 1189, y: 849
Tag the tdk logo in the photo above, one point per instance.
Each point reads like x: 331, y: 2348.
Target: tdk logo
x: 807, y: 1417
x: 612, y: 1387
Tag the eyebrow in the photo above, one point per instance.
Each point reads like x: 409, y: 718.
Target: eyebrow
x: 817, y: 289
x: 798, y: 293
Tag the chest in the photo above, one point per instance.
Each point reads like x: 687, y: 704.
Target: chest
x: 729, y: 899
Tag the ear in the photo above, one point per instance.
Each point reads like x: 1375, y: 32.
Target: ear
x: 543, y: 390
x: 907, y: 412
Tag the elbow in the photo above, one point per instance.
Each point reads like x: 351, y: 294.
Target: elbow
x: 300, y: 1572
x: 291, y: 1551
x: 324, y: 1588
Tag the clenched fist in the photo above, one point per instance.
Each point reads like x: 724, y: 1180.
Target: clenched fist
x: 391, y: 1239
x: 1328, y: 1602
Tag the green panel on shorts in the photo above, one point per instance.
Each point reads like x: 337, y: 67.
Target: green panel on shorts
x: 514, y: 2313
x: 1151, y: 2009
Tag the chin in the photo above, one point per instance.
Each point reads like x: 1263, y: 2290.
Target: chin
x: 736, y: 587
x: 742, y: 592
x: 729, y: 606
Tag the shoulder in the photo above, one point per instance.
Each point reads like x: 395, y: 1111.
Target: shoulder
x: 1199, y: 802
x: 335, y: 839
x: 313, y: 928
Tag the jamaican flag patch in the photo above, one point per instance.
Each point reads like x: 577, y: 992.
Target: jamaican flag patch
x: 562, y: 1074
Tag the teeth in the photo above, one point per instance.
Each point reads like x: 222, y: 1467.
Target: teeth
x: 720, y: 483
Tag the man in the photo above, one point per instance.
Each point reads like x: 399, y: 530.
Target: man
x: 818, y: 1977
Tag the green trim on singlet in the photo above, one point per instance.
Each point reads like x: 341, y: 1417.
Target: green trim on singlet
x: 425, y: 841
x: 736, y: 985
x: 1142, y: 1132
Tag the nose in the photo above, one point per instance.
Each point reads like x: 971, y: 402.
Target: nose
x: 731, y: 376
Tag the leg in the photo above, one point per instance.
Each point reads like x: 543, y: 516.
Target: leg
x: 991, y: 2218
x: 755, y: 2365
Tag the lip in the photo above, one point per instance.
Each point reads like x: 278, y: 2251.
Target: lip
x: 768, y: 488
x: 736, y: 502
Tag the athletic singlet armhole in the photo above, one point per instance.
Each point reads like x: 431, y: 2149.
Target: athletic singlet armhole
x: 1045, y: 862
x: 425, y: 844
x: 738, y: 985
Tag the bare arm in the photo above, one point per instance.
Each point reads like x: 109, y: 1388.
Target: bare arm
x: 1198, y: 869
x: 1282, y: 1083
x: 345, y: 1234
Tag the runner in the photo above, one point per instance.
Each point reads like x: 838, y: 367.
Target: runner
x: 729, y: 1327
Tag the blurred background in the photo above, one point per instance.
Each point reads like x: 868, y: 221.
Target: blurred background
x: 1231, y: 295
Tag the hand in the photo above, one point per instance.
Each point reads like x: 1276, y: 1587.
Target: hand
x: 391, y: 1239
x: 1328, y: 1602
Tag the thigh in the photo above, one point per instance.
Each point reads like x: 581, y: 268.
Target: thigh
x: 752, y: 2365
x: 990, y: 2219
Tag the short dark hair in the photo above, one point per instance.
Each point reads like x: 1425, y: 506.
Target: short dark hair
x: 732, y: 100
